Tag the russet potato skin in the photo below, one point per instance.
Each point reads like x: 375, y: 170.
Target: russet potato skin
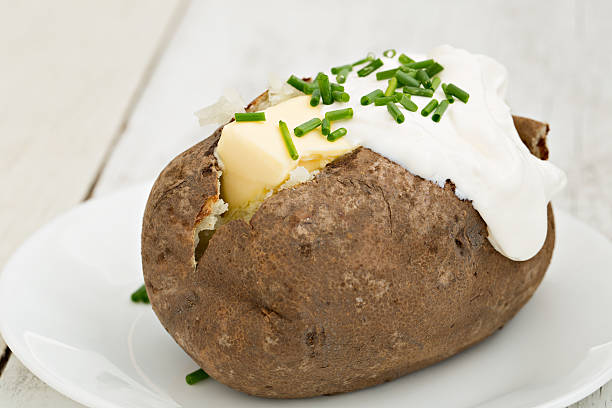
x: 357, y: 277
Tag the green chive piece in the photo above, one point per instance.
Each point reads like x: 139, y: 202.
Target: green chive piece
x: 398, y: 96
x: 315, y: 98
x: 196, y: 376
x: 449, y: 98
x: 307, y: 126
x: 423, y: 78
x: 390, y: 53
x: 310, y: 87
x: 386, y: 74
x: 341, y: 77
x: 407, y: 103
x: 288, y: 141
x: 300, y: 84
x: 250, y: 117
x: 434, y: 69
x: 395, y: 112
x: 339, y: 114
x: 435, y: 83
x: 420, y: 64
x: 411, y: 90
x: 406, y: 79
x: 325, y: 88
x: 440, y: 111
x: 336, y: 87
x: 140, y: 295
x: 457, y: 92
x: 340, y: 96
x: 429, y: 107
x: 383, y: 100
x: 410, y: 71
x: 371, y: 67
x: 336, y: 134
x: 336, y: 70
x: 325, y: 126
x: 369, y: 58
x: 391, y: 87
x: 369, y: 98
x: 404, y: 59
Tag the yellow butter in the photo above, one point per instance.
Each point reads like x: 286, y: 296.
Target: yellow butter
x: 255, y: 158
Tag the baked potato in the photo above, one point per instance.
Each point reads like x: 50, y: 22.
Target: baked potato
x: 354, y: 278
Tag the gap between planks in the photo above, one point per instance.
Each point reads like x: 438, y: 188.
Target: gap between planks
x: 162, y: 46
x: 169, y: 30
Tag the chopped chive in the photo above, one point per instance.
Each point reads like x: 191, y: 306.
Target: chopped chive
x: 325, y: 126
x: 398, y: 96
x: 423, y: 78
x: 411, y: 90
x: 449, y: 98
x: 457, y: 92
x: 369, y: 98
x: 325, y: 88
x: 434, y: 69
x: 383, y: 100
x: 406, y: 79
x: 395, y: 112
x: 429, y: 107
x: 407, y: 103
x: 420, y: 64
x: 410, y: 71
x: 404, y: 59
x: 386, y: 74
x: 336, y: 134
x: 250, y: 117
x: 391, y: 87
x: 315, y: 98
x: 288, y: 141
x: 196, y: 377
x: 435, y: 83
x: 440, y: 111
x: 310, y: 87
x: 336, y: 87
x: 140, y: 295
x: 339, y: 114
x: 300, y: 84
x: 307, y: 126
x: 340, y: 96
x: 341, y: 77
x: 370, y: 57
x: 336, y: 70
x: 390, y: 53
x: 371, y: 67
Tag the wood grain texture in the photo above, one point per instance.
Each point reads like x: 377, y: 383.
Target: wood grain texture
x: 71, y: 71
x: 542, y: 45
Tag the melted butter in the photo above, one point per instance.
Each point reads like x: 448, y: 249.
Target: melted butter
x: 255, y: 158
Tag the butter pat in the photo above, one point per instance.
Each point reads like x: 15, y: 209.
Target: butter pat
x: 255, y: 158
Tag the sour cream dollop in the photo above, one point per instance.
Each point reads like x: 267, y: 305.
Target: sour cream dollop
x: 475, y: 145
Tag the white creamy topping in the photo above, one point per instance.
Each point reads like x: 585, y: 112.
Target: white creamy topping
x: 475, y: 145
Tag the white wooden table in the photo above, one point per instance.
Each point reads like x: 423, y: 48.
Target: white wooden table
x: 96, y: 96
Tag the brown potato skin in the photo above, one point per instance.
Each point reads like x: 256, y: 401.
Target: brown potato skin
x: 355, y: 278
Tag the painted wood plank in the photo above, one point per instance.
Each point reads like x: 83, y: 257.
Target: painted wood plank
x: 71, y: 72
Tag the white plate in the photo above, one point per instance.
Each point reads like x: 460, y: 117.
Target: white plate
x: 66, y: 314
